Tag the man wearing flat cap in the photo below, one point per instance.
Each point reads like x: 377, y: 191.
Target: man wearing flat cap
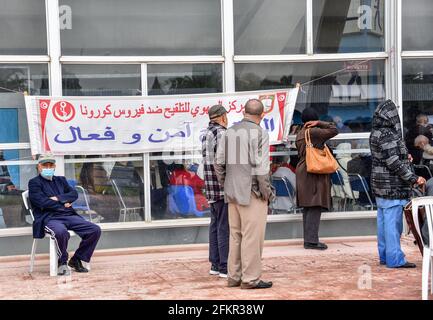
x: 219, y: 225
x: 51, y: 198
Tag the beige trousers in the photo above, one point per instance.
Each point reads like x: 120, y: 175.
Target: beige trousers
x: 247, y: 234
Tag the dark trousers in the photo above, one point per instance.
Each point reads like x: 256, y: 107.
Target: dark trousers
x: 311, y: 220
x: 89, y: 232
x: 219, y: 235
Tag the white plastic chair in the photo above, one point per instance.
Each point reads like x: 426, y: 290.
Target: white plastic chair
x: 427, y: 260
x: 53, y: 250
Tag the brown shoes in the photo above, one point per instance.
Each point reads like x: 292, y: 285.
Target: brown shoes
x: 259, y: 285
x: 233, y: 283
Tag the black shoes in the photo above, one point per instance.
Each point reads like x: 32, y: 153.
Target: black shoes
x: 233, y: 283
x: 317, y: 246
x: 408, y: 265
x: 76, y: 264
x: 259, y: 285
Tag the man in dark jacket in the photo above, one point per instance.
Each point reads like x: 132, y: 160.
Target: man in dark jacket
x: 51, y: 199
x: 391, y: 181
x: 219, y: 220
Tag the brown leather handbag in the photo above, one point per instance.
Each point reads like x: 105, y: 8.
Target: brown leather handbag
x: 319, y: 161
x: 421, y: 218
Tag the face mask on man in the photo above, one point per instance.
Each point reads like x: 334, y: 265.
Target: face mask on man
x: 47, y: 173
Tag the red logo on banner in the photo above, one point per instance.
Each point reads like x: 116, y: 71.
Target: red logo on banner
x: 43, y: 110
x: 63, y: 111
x: 281, y: 97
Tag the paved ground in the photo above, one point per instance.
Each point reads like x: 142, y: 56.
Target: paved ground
x: 343, y: 271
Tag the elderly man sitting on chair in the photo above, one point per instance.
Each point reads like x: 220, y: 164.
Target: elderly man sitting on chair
x: 51, y: 198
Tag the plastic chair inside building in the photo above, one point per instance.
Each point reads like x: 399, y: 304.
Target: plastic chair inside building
x: 181, y: 202
x: 82, y: 204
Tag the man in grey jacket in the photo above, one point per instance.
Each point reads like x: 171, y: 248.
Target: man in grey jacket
x: 242, y: 167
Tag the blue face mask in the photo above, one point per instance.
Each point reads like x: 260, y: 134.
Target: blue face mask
x: 47, y: 173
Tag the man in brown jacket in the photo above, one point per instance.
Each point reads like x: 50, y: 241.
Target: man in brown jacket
x: 242, y: 167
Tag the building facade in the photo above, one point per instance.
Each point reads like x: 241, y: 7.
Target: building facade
x: 349, y: 55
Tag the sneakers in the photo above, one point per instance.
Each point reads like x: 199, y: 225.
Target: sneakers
x: 76, y: 264
x: 317, y: 246
x: 259, y: 285
x: 214, y: 271
x: 63, y: 270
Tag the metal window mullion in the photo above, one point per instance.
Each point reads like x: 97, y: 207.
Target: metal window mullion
x: 311, y: 58
x: 228, y: 45
x: 398, y: 59
x: 309, y: 27
x: 141, y: 59
x: 24, y: 59
x: 147, y: 194
x: 144, y: 86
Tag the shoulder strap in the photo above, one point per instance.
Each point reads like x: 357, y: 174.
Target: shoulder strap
x: 308, y: 138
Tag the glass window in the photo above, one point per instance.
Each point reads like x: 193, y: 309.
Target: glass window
x: 350, y: 189
x: 177, y: 189
x: 184, y: 79
x: 348, y: 26
x: 349, y: 97
x: 137, y: 27
x: 22, y: 27
x: 32, y: 78
x: 101, y: 80
x: 417, y: 25
x: 269, y: 27
x: 113, y: 187
x: 418, y: 105
x: 14, y: 178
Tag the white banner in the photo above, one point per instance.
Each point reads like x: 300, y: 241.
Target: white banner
x: 106, y: 125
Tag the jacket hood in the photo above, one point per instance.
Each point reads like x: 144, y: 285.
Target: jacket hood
x: 386, y: 116
x: 344, y: 147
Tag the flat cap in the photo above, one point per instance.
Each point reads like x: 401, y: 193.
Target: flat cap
x: 44, y: 158
x: 216, y: 111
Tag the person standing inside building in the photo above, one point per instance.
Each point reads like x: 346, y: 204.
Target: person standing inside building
x: 51, y: 198
x: 242, y: 167
x: 219, y: 223
x: 313, y: 190
x: 391, y: 181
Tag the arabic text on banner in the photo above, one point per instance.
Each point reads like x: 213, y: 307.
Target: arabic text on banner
x: 104, y: 125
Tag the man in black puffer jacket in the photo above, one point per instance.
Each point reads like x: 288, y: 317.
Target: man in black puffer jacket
x: 391, y: 180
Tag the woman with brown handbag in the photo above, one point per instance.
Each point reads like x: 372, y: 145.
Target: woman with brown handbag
x: 314, y: 189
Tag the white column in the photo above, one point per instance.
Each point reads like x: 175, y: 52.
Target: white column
x: 228, y: 45
x: 55, y: 70
x: 54, y: 50
x: 309, y: 27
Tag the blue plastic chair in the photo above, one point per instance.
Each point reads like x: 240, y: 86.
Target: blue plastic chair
x: 337, y: 180
x: 283, y: 188
x: 181, y: 201
x: 82, y: 203
x: 359, y: 184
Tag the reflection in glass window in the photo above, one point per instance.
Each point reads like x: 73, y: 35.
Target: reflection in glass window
x: 418, y: 106
x: 140, y: 27
x: 177, y: 189
x: 101, y: 80
x: 348, y: 98
x: 269, y: 27
x: 14, y: 180
x: 348, y: 26
x: 417, y: 25
x: 114, y: 189
x: 32, y: 78
x: 22, y: 27
x: 184, y: 79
